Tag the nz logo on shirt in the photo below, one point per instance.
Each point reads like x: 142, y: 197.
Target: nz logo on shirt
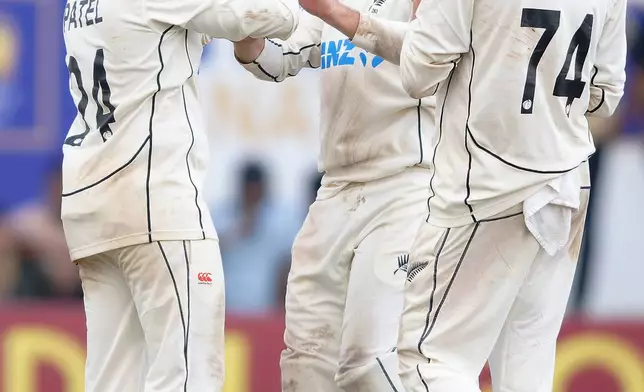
x: 341, y: 53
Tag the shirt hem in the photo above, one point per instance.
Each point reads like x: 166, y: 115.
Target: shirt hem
x: 484, y: 212
x: 349, y: 174
x: 77, y: 254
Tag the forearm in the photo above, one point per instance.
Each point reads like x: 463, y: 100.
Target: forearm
x: 343, y: 18
x: 379, y: 36
x: 275, y: 61
x: 230, y: 19
x: 249, y: 49
x: 609, y: 76
x: 255, y: 19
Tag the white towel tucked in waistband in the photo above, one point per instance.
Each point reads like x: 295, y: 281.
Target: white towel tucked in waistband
x: 548, y: 213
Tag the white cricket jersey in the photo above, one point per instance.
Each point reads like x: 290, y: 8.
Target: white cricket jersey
x: 136, y: 154
x: 369, y: 127
x: 515, y: 80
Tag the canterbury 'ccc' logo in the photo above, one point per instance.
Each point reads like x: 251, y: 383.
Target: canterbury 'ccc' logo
x: 204, y: 278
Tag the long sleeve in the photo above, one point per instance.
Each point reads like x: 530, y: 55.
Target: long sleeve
x: 437, y: 38
x: 230, y: 19
x: 381, y: 37
x: 609, y: 75
x: 280, y: 60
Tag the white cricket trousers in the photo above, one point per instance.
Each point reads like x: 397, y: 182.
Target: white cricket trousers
x: 485, y: 290
x: 155, y: 318
x: 345, y: 287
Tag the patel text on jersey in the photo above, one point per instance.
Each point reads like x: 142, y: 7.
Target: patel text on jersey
x: 81, y: 13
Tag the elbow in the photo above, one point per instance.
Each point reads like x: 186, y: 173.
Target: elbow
x: 423, y: 66
x: 413, y: 91
x: 605, y: 103
x: 418, y: 82
x: 421, y: 75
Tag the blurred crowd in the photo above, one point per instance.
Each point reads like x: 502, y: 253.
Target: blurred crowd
x: 255, y: 231
x: 255, y: 237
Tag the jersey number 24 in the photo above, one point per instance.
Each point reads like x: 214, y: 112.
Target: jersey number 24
x: 104, y: 108
x: 568, y: 88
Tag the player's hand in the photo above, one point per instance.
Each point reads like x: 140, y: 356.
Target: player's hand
x: 319, y: 8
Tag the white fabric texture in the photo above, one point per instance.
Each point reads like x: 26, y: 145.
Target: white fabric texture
x: 155, y: 318
x: 345, y: 287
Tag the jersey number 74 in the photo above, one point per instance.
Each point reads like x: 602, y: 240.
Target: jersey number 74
x: 567, y: 88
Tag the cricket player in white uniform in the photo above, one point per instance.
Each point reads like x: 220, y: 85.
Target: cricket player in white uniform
x: 345, y: 287
x: 491, y: 269
x: 134, y: 163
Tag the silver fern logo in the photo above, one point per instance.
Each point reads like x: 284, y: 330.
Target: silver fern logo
x: 414, y: 269
x: 403, y: 263
x: 375, y: 7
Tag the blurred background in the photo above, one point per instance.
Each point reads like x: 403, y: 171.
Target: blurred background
x: 263, y: 176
